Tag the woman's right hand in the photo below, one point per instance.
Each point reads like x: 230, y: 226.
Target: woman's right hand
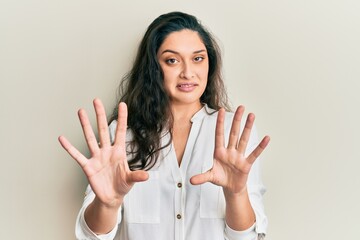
x: 107, y: 170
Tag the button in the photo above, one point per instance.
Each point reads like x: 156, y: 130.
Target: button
x: 178, y: 216
x: 179, y: 185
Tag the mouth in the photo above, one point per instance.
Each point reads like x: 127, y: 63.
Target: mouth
x: 187, y: 87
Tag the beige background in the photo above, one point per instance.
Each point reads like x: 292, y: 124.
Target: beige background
x: 294, y: 63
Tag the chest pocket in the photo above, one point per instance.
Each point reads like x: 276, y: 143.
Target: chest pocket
x: 142, y: 203
x: 212, y: 200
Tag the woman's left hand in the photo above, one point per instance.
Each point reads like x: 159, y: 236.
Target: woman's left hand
x: 231, y: 167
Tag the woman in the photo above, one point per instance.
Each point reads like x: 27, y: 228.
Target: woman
x: 176, y: 166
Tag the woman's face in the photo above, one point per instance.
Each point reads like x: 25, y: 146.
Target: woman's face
x: 184, y: 61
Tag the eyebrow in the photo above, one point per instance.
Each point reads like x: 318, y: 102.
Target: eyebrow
x: 175, y: 52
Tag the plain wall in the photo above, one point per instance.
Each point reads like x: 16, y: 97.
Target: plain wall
x: 294, y: 63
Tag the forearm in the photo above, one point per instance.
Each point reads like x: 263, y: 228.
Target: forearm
x: 101, y: 219
x: 239, y: 212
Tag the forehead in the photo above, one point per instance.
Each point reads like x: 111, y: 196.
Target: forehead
x: 183, y: 41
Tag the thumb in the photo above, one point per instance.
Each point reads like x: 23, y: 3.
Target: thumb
x: 201, y: 178
x: 138, y: 176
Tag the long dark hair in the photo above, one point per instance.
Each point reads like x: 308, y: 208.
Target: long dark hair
x: 142, y: 89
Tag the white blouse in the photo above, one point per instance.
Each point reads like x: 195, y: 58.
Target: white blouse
x: 167, y: 206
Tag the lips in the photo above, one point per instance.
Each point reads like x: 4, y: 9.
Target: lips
x: 186, y: 87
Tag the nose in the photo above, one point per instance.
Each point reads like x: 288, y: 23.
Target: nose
x: 187, y: 71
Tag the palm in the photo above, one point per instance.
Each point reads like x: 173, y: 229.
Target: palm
x: 107, y: 170
x: 230, y: 174
x: 231, y: 167
x: 104, y: 173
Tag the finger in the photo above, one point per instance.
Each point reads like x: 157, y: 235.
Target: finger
x: 121, y: 127
x: 245, y: 135
x: 235, y: 128
x: 258, y: 150
x: 74, y: 153
x: 88, y: 131
x: 201, y: 178
x: 219, y: 131
x: 138, y: 176
x: 102, y: 125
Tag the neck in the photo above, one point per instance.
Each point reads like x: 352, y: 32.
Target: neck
x: 184, y: 112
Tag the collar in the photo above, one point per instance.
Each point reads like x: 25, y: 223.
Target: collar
x: 204, y: 111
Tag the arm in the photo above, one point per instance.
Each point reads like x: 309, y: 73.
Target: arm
x: 100, y: 218
x: 231, y: 169
x: 107, y: 170
x: 239, y: 214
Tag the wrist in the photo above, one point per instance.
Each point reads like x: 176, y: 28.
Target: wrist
x: 235, y: 195
x: 114, y: 204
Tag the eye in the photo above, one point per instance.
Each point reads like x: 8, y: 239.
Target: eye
x: 198, y: 59
x: 171, y: 61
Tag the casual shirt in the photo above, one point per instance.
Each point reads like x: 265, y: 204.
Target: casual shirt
x: 167, y: 206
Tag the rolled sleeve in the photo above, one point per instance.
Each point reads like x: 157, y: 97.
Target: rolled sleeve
x: 248, y: 234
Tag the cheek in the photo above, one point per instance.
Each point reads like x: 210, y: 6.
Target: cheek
x: 170, y: 74
x: 204, y: 72
x: 169, y: 79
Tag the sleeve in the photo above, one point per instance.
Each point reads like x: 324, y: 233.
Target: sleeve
x: 256, y: 190
x: 82, y: 231
x: 248, y: 234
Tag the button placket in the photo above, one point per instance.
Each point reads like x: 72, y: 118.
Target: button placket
x: 179, y: 208
x: 180, y: 196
